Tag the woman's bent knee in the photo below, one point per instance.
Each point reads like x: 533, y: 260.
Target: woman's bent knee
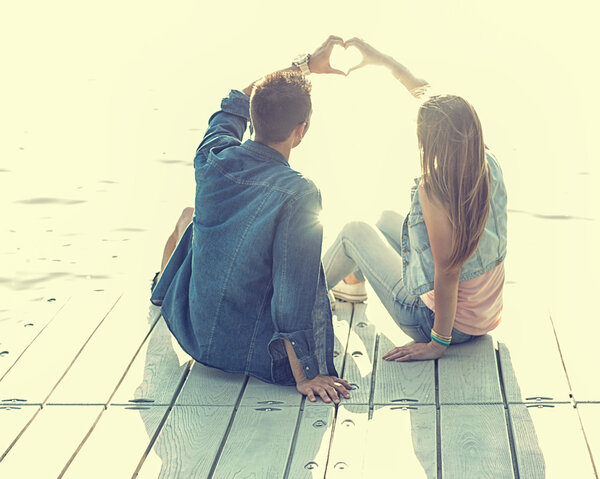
x: 356, y: 228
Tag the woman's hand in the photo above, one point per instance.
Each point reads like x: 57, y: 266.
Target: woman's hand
x: 328, y: 387
x: 319, y: 60
x: 416, y: 352
x: 370, y: 55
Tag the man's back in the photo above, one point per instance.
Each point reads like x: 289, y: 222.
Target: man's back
x: 247, y: 273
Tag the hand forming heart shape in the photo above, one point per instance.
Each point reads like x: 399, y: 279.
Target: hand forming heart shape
x: 347, y: 54
x: 345, y: 58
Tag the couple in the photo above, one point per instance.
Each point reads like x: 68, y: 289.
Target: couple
x: 242, y: 286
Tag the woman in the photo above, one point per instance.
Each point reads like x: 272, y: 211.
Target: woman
x: 442, y: 272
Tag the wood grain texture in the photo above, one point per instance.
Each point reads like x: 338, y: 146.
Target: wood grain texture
x: 529, y: 355
x: 312, y: 443
x: 395, y: 381
x: 590, y: 418
x: 348, y: 444
x: 474, y: 441
x: 49, y: 441
x: 23, y: 328
x: 156, y: 372
x: 401, y: 442
x: 549, y: 442
x: 51, y: 355
x: 258, y: 444
x: 528, y: 380
x: 93, y: 378
x: 210, y: 386
x: 468, y: 373
x: 188, y: 443
x: 117, y: 443
x: 360, y: 355
x: 261, y: 394
x: 12, y: 421
x: 342, y: 319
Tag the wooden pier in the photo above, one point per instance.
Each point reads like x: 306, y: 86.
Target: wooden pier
x: 96, y: 386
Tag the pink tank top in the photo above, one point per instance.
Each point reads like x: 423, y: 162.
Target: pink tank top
x: 479, y: 302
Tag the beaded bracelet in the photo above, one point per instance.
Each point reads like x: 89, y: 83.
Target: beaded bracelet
x: 438, y: 338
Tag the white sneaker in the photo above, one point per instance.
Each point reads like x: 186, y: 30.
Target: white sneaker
x: 352, y: 293
x: 331, y: 301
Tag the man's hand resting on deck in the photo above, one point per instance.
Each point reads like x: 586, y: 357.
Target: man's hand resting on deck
x: 328, y: 387
x: 416, y: 352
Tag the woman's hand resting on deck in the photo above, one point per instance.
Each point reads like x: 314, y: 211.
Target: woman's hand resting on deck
x: 416, y: 352
x: 328, y: 387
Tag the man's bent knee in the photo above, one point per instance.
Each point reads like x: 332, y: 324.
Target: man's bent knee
x: 184, y: 220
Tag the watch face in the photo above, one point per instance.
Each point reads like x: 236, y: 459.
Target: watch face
x: 301, y: 58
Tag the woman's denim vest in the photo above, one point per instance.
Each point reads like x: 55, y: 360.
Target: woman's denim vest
x: 416, y: 251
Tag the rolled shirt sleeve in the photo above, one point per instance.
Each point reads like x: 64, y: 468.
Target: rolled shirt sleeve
x: 227, y: 126
x: 296, y: 272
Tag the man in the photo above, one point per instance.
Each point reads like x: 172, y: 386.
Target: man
x: 242, y: 287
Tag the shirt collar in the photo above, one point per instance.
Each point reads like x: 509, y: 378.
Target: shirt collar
x: 264, y: 152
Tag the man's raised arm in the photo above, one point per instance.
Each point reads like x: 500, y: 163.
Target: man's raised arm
x: 227, y: 126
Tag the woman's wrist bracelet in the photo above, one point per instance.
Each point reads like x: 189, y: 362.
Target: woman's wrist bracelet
x: 438, y: 338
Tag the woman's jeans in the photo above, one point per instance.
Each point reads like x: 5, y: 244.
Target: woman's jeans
x: 361, y: 250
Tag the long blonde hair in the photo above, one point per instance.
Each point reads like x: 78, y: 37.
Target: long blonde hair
x: 454, y: 169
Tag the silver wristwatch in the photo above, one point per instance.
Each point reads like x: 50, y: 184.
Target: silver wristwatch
x: 301, y: 61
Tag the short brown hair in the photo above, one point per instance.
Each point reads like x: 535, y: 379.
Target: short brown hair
x: 279, y: 103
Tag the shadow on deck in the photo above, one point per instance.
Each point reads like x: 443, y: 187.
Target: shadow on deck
x: 119, y: 398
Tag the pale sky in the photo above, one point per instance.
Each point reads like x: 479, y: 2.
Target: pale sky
x: 105, y: 103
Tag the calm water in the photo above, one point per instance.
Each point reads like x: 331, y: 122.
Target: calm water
x: 102, y: 108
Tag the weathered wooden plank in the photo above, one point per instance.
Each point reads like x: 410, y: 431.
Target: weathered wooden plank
x: 575, y: 286
x: 12, y: 421
x: 529, y: 357
x: 50, y: 356
x: 210, y: 386
x: 118, y: 442
x: 590, y: 418
x: 342, y: 320
x: 549, y: 442
x: 261, y: 394
x: 95, y: 375
x: 156, y: 372
x: 576, y: 346
x: 347, y: 451
x: 49, y: 441
x: 529, y: 380
x: 259, y: 443
x: 474, y: 441
x: 401, y: 442
x: 360, y: 356
x: 468, y: 373
x: 403, y: 382
x: 188, y: 444
x: 312, y: 443
x: 23, y: 328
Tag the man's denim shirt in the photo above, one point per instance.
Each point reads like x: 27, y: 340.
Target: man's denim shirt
x: 248, y: 271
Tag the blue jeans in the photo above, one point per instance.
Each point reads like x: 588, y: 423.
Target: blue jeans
x: 361, y: 250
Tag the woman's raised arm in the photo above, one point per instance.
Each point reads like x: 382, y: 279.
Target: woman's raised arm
x: 372, y: 56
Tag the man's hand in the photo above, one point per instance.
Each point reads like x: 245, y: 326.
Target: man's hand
x: 319, y: 60
x: 416, y: 352
x: 328, y: 387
